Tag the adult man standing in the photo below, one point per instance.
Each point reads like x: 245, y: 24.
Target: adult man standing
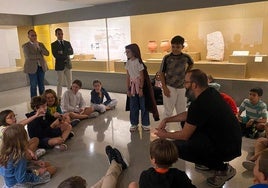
x: 35, y: 65
x: 211, y: 135
x: 61, y: 50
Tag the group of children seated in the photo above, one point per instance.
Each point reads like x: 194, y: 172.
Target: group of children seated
x: 49, y: 125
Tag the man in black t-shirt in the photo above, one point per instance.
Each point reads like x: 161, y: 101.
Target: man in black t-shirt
x: 211, y: 135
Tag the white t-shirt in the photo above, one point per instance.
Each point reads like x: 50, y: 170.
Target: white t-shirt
x: 70, y: 101
x: 134, y: 67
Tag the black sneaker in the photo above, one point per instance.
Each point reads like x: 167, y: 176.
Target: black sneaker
x: 71, y: 135
x: 75, y: 122
x: 110, y: 153
x: 201, y: 167
x: 220, y: 177
x: 119, y: 159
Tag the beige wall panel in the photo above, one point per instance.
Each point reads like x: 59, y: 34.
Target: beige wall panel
x: 244, y: 27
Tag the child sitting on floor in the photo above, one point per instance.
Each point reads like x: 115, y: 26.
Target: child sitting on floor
x: 8, y: 117
x: 163, y: 154
x: 256, y: 114
x: 51, y: 132
x: 97, y: 95
x: 54, y: 109
x: 73, y: 101
x: 13, y: 162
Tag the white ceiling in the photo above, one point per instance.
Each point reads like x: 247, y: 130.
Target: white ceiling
x: 34, y: 7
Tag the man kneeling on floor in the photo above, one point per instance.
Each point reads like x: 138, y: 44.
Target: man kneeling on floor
x: 211, y: 135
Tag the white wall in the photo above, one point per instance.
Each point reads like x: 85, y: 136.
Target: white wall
x: 9, y: 48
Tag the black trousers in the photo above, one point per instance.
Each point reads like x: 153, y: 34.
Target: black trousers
x: 200, y: 149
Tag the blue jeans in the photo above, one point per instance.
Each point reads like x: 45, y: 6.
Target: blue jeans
x: 138, y: 103
x: 37, y: 79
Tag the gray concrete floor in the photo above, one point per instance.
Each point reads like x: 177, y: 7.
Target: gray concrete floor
x: 86, y: 156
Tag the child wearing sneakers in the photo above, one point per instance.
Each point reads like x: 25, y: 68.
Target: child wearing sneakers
x: 135, y: 84
x: 261, y: 145
x: 73, y: 101
x: 51, y: 132
x: 97, y: 95
x: 8, y: 118
x: 163, y: 153
x: 13, y: 163
x: 117, y: 164
x: 54, y: 109
x: 256, y: 114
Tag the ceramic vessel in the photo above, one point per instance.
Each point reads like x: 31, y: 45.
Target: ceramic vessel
x: 152, y: 46
x: 165, y: 45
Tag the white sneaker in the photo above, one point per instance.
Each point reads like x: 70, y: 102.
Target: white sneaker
x: 220, y: 177
x: 93, y: 115
x: 146, y: 128
x: 61, y: 147
x: 40, y: 152
x: 133, y: 128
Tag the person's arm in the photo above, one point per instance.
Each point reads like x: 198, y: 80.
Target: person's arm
x: 177, y: 118
x: 28, y: 52
x: 55, y: 123
x: 39, y: 112
x: 184, y: 134
x: 263, y: 118
x: 70, y: 50
x: 55, y: 50
x: 107, y: 96
x: 67, y: 107
x: 190, y: 64
x: 141, y: 83
x: 128, y: 83
x: 240, y: 110
x: 43, y: 49
x: 82, y: 103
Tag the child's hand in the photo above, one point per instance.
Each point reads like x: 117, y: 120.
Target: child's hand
x: 41, y: 164
x: 239, y: 118
x: 56, y: 114
x: 250, y: 123
x: 32, y: 154
x: 40, y: 112
x: 42, y: 170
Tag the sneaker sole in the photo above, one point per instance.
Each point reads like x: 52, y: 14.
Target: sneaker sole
x: 146, y: 128
x: 202, y: 168
x: 133, y: 129
x: 218, y: 186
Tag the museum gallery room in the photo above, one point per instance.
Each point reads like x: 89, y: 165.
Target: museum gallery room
x: 225, y: 39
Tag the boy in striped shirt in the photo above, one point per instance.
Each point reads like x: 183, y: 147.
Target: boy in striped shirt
x: 255, y: 114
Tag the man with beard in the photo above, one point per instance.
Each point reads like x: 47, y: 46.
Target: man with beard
x: 211, y: 135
